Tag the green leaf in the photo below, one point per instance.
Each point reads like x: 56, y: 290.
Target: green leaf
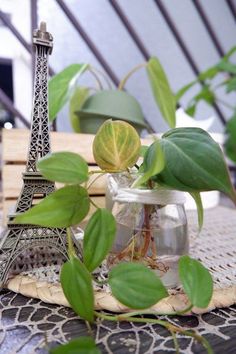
x: 191, y: 110
x: 229, y: 53
x: 143, y: 150
x: 61, y: 87
x: 227, y: 66
x: 230, y: 143
x: 98, y: 238
x: 197, y: 198
x: 77, y: 100
x: 162, y: 93
x: 65, y: 207
x: 153, y: 163
x: 136, y: 286
x: 116, y: 146
x: 76, y: 282
x: 209, y: 73
x: 65, y: 167
x: 179, y: 94
x: 194, y: 162
x: 79, y: 345
x: 205, y: 95
x: 231, y: 85
x: 196, y: 280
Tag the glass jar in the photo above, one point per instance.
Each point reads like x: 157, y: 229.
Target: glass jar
x: 151, y: 229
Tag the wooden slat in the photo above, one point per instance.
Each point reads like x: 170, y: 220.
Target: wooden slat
x: 8, y: 206
x: 12, y: 181
x: 15, y: 144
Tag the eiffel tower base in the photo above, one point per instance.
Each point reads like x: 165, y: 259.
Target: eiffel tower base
x: 20, y: 238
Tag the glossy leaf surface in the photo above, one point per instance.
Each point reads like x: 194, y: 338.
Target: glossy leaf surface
x: 136, y: 286
x: 194, y: 162
x: 76, y: 282
x: 65, y: 167
x: 196, y: 280
x: 98, y: 238
x: 65, y: 207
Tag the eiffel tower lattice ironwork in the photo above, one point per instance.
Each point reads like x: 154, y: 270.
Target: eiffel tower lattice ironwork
x: 18, y: 238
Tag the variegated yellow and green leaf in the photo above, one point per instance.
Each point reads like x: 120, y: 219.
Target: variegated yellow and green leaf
x: 116, y: 146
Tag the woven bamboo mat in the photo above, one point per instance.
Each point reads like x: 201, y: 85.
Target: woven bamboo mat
x: 215, y: 247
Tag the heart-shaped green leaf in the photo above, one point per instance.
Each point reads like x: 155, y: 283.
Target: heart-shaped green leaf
x: 162, y: 93
x: 98, y: 238
x: 116, y: 146
x: 65, y: 207
x: 77, y: 100
x: 196, y: 280
x: 79, y: 345
x: 65, y: 167
x: 153, y: 163
x: 61, y: 87
x: 194, y: 162
x: 77, y: 286
x: 136, y: 286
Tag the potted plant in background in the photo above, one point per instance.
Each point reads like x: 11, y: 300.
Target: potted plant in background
x: 89, y: 109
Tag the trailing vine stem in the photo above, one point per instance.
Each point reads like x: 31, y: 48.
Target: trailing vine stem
x: 93, y: 72
x: 92, y: 182
x: 136, y: 68
x: 105, y: 77
x: 93, y: 203
x: 71, y: 250
x: 172, y: 328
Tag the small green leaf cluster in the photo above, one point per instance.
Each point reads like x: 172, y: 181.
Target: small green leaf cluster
x: 210, y: 94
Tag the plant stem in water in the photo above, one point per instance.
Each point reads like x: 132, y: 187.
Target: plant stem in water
x: 147, y: 231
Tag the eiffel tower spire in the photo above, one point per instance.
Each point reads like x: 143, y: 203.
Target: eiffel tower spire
x: 40, y: 140
x: 19, y: 239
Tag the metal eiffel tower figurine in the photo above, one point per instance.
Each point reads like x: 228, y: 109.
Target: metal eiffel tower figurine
x: 18, y: 238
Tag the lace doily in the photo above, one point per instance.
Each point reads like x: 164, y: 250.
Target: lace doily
x: 215, y: 247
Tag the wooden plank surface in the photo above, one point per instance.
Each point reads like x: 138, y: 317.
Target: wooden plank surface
x: 15, y: 144
x: 12, y: 181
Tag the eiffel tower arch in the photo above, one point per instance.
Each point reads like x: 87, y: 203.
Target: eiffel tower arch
x: 18, y: 238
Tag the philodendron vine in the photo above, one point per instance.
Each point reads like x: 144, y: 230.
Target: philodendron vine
x: 185, y: 159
